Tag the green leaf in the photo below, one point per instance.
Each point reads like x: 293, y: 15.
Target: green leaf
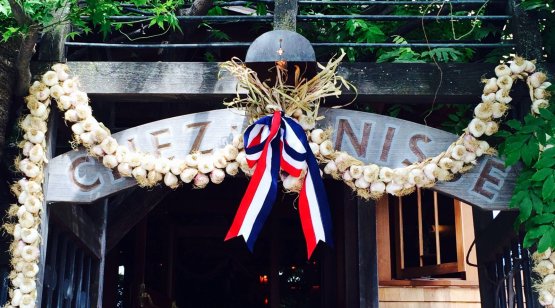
x: 548, y: 187
x: 514, y: 124
x: 525, y: 208
x: 546, y: 240
x: 512, y: 158
x: 533, y: 234
x: 542, y: 174
x: 543, y: 219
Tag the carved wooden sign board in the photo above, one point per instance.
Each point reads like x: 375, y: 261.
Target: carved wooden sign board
x: 75, y: 177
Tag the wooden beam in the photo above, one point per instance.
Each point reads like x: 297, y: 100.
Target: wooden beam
x: 367, y: 254
x: 131, y: 212
x: 80, y: 224
x: 285, y: 15
x: 180, y: 81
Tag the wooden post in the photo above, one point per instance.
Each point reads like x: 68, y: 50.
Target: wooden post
x: 367, y: 254
x: 487, y: 290
x: 285, y: 15
x: 526, y: 33
x: 102, y: 263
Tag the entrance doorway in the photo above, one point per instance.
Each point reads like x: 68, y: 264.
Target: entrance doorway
x: 176, y: 256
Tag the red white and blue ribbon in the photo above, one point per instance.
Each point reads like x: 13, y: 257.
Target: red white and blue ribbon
x: 271, y: 143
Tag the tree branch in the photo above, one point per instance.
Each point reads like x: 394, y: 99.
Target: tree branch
x: 19, y: 14
x: 23, y: 61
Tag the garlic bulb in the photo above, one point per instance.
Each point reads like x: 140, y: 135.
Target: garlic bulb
x: 377, y: 187
x: 29, y: 236
x: 488, y: 98
x: 393, y: 188
x: 86, y: 139
x: 498, y: 110
x: 540, y: 93
x: 27, y: 301
x: 125, y: 170
x: 81, y: 98
x: 139, y: 172
x: 35, y: 136
x: 27, y: 285
x: 109, y: 161
x: 50, y: 78
x: 502, y: 96
x: 326, y: 148
x: 539, y: 103
x: 362, y: 183
x: 188, y: 175
x: 109, y: 145
x: 90, y: 124
x: 154, y: 177
x: 30, y: 270
x: 36, y: 154
x: 71, y: 116
x: 205, y: 165
x: 230, y: 152
x: 70, y: 86
x: 77, y: 128
x: 536, y: 79
x: 43, y: 94
x: 26, y: 220
x: 291, y: 183
x: 502, y: 70
x: 530, y: 66
x: 170, y: 180
x: 201, y: 180
x: 347, y: 177
x: 518, y: 65
x: 16, y: 298
x: 232, y: 168
x: 371, y: 172
x: 30, y: 253
x: 64, y: 103
x: 217, y: 176
x: 458, y: 152
x: 542, y: 255
x: 386, y: 174
x: 477, y: 127
x: 177, y: 166
x: 491, y: 128
x: 148, y: 162
x: 56, y: 91
x: 430, y: 171
x: 32, y: 187
x: 317, y: 136
x: 162, y: 165
x: 192, y: 159
x: 445, y: 163
x: 330, y: 168
x: 483, y: 110
x: 30, y: 170
x: 83, y: 111
x: 306, y: 122
x: 33, y: 205
x: 219, y: 160
x: 545, y: 298
x: 505, y: 82
x: 315, y: 148
x: 237, y: 142
x: 356, y: 171
x: 491, y: 86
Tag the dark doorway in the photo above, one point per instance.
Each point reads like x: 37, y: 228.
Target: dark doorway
x: 176, y: 256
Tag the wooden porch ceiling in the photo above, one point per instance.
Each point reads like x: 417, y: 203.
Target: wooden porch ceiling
x: 375, y: 82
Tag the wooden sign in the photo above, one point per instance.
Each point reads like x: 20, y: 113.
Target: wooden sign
x: 75, y: 177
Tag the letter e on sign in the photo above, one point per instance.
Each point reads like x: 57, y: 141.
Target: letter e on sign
x: 489, y: 183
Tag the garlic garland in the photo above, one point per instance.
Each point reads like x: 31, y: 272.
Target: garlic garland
x: 367, y: 180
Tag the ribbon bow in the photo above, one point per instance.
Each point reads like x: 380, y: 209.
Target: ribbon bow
x: 270, y: 143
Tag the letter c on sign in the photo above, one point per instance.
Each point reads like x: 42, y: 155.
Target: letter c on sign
x: 78, y: 181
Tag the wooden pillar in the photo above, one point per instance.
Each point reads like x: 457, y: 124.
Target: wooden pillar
x: 367, y: 254
x: 360, y: 248
x: 526, y: 32
x: 285, y: 15
x: 102, y: 263
x: 487, y: 290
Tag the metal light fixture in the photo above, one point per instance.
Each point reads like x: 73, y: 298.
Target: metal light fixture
x: 284, y: 48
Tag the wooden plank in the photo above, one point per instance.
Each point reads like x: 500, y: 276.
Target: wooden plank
x: 101, y: 266
x: 383, y: 250
x: 423, y: 295
x: 285, y: 14
x: 79, y: 223
x: 375, y: 82
x: 372, y: 138
x: 436, y: 230
x: 132, y: 211
x: 367, y: 257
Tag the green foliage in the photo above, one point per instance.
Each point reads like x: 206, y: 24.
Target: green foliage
x: 531, y: 144
x: 86, y: 16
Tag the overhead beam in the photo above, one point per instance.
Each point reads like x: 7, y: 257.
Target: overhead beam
x: 190, y: 81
